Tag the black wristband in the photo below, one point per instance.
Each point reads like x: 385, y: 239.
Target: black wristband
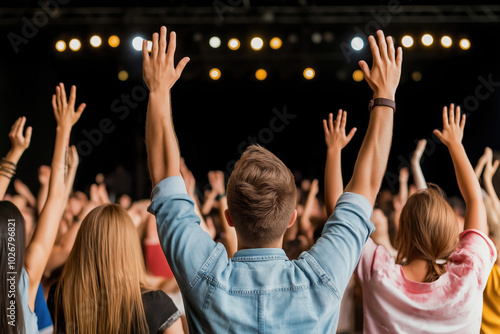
x: 381, y: 102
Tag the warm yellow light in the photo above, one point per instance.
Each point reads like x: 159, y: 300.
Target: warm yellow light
x: 233, y: 44
x: 407, y: 41
x: 95, y: 41
x: 261, y: 74
x: 464, y: 44
x: 215, y: 74
x: 75, y: 44
x: 113, y: 41
x: 358, y: 75
x: 256, y: 43
x: 309, y: 73
x: 446, y: 41
x: 275, y: 43
x: 427, y: 40
x: 60, y: 46
x: 123, y: 75
x: 416, y: 76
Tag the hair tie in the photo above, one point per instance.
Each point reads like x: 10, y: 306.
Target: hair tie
x: 440, y: 261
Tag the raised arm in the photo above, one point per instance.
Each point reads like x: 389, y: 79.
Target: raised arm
x: 383, y: 79
x: 38, y: 251
x: 336, y: 139
x: 490, y: 168
x: 418, y: 176
x: 451, y: 136
x: 19, y: 143
x: 160, y: 75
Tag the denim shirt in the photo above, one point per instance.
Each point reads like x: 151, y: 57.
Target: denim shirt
x: 259, y: 290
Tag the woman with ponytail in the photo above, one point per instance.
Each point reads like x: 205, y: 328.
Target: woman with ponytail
x: 436, y: 283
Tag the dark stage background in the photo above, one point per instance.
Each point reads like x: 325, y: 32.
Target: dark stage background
x: 213, y: 118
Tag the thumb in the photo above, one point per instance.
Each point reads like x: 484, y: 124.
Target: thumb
x: 438, y: 134
x: 351, y: 134
x: 180, y: 66
x: 365, y: 68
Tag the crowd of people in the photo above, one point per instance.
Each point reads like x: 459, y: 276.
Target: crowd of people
x: 260, y: 252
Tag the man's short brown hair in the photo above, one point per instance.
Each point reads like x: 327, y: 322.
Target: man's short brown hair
x: 261, y: 196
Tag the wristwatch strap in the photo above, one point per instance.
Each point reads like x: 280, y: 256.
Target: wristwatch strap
x: 382, y: 102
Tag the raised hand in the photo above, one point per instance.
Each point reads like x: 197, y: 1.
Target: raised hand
x: 158, y: 69
x: 335, y: 136
x: 44, y: 175
x: 419, y: 151
x: 453, y: 126
x: 490, y: 167
x: 19, y: 141
x: 384, y: 75
x: 216, y: 180
x: 64, y: 109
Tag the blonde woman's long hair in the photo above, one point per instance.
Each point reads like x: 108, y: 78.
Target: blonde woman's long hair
x: 100, y: 287
x: 428, y: 230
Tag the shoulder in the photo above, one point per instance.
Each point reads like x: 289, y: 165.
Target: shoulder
x: 373, y: 259
x: 160, y: 310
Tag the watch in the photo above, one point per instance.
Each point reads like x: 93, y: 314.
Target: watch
x: 381, y: 102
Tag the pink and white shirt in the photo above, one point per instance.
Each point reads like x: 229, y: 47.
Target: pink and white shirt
x: 452, y: 304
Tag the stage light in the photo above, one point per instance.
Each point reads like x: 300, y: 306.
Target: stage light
x: 137, y: 43
x: 416, y: 76
x: 407, y: 41
x: 233, y: 44
x: 261, y: 74
x: 358, y: 75
x: 214, y: 42
x: 464, y: 44
x: 316, y: 38
x: 357, y: 43
x: 215, y: 74
x: 308, y: 73
x: 122, y: 75
x: 256, y: 43
x: 427, y: 40
x: 328, y: 37
x: 75, y: 44
x: 446, y: 41
x: 60, y: 46
x: 95, y: 41
x: 113, y: 41
x: 275, y: 43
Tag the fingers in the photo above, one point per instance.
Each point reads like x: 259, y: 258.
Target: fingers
x: 382, y: 44
x: 374, y: 49
x: 495, y: 166
x: 180, y: 66
x: 399, y: 57
x: 438, y: 134
x: 451, y: 115
x: 145, y: 53
x: 79, y: 111
x: 390, y: 46
x: 172, y: 43
x: 27, y: 136
x: 325, y: 127
x: 462, y: 122
x: 457, y: 116
x: 154, y: 48
x: 163, y: 41
x: 342, y: 122
x: 421, y: 145
x: 64, y: 100
x: 54, y: 102
x: 20, y: 127
x: 351, y: 134
x: 72, y: 97
x: 445, y: 116
x: 338, y: 120
x: 365, y: 68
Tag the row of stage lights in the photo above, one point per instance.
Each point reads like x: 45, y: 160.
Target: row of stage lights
x: 357, y: 43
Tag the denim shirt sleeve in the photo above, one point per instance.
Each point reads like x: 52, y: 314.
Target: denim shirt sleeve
x: 185, y: 244
x: 338, y: 249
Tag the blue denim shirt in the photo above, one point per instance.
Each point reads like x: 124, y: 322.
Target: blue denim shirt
x: 259, y: 290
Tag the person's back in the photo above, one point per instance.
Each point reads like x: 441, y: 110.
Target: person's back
x: 259, y: 289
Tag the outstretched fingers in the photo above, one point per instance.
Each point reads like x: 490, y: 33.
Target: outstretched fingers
x: 163, y: 41
x: 382, y: 44
x: 172, y: 44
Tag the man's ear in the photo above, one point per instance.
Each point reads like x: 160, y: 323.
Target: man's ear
x: 293, y: 219
x: 228, y: 218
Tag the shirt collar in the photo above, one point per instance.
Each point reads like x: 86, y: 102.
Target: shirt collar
x: 260, y: 254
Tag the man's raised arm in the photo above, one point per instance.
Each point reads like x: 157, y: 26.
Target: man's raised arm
x: 160, y: 75
x: 383, y: 79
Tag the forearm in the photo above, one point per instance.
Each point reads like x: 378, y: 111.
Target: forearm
x: 12, y: 156
x: 333, y: 179
x: 418, y: 176
x: 492, y: 194
x: 373, y: 155
x: 475, y: 214
x: 161, y: 141
x: 42, y: 197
